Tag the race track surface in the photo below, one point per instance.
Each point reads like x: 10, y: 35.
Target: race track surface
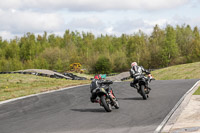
x: 70, y: 111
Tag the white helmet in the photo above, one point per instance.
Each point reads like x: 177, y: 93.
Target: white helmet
x: 133, y: 64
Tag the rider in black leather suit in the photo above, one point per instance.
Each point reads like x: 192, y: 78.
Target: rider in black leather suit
x: 135, y: 73
x: 95, y: 84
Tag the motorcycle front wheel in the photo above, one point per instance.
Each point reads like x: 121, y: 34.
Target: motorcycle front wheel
x: 116, y: 104
x: 144, y: 96
x: 106, y: 105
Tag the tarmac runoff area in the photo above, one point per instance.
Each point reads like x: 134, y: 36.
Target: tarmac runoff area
x: 186, y: 118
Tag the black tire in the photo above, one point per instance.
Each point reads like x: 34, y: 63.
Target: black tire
x: 143, y: 93
x: 116, y: 104
x: 106, y: 106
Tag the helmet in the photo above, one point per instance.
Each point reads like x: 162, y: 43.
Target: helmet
x: 133, y: 64
x: 97, y: 76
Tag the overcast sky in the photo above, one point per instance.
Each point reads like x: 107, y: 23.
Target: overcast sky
x: 113, y: 17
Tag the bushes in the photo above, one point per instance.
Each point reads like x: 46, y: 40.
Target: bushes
x: 103, y: 65
x: 10, y: 65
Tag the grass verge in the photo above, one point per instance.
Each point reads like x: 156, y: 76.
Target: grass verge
x: 184, y: 71
x: 17, y: 85
x: 197, y: 92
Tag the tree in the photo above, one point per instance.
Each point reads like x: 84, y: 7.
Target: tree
x: 156, y: 41
x: 12, y: 50
x: 162, y: 48
x: 52, y: 55
x: 170, y: 48
x: 28, y: 48
x: 184, y: 37
x: 137, y: 49
x: 103, y: 65
x: 195, y: 46
x: 119, y: 61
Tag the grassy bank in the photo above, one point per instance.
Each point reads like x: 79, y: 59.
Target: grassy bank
x: 197, y: 92
x: 17, y: 85
x: 184, y: 71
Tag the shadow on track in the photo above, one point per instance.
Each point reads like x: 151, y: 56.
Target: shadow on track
x: 90, y: 110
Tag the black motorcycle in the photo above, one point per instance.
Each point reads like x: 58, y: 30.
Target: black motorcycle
x: 143, y: 85
x: 107, y: 97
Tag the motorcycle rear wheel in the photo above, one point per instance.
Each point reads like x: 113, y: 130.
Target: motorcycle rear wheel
x: 106, y: 105
x: 144, y: 96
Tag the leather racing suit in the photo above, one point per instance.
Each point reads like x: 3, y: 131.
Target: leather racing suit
x: 95, y: 84
x: 135, y: 73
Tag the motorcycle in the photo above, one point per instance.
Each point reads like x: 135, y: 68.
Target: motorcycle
x: 106, y: 97
x: 143, y: 85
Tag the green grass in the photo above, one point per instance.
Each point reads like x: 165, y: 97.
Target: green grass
x: 184, y: 71
x: 17, y: 85
x: 197, y: 92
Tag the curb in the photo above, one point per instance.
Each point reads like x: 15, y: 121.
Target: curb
x: 32, y: 95
x: 166, y: 119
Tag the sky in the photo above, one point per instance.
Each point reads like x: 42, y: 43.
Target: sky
x: 112, y: 17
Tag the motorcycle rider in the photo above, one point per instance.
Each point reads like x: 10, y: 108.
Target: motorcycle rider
x: 135, y: 73
x: 95, y: 84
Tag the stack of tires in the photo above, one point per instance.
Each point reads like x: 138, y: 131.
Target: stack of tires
x: 74, y: 77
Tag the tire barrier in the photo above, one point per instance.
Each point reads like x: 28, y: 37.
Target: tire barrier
x: 57, y: 76
x: 5, y: 72
x: 74, y: 77
x: 126, y: 78
x: 152, y: 70
x: 52, y: 76
x: 108, y: 75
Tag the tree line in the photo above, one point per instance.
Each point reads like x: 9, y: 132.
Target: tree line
x: 102, y: 54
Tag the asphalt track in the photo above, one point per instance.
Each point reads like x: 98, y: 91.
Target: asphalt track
x: 70, y: 111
